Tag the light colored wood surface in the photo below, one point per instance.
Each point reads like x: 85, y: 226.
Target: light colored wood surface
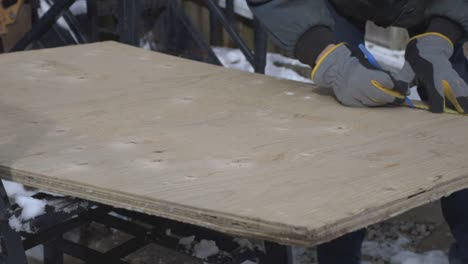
x: 240, y: 153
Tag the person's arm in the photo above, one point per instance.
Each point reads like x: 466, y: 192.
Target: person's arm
x: 303, y: 28
x: 454, y: 11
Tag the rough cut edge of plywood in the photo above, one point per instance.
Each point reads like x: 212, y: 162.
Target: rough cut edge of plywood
x: 231, y: 224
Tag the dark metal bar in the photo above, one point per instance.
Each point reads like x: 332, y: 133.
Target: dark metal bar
x: 260, y: 49
x: 81, y: 252
x: 43, y: 24
x: 119, y: 224
x: 216, y: 31
x: 129, y: 11
x: 93, y: 20
x: 51, y: 233
x: 196, y: 35
x: 11, y: 251
x: 52, y: 256
x: 1, y: 46
x: 75, y: 27
x: 218, y: 13
x: 276, y: 254
x: 11, y: 247
x: 161, y: 225
x: 64, y: 37
x: 34, y: 10
x: 231, y: 16
x: 127, y: 248
x: 4, y: 200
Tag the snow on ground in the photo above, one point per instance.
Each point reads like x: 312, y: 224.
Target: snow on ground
x: 396, y: 252
x: 187, y: 241
x: 234, y: 59
x: 30, y: 207
x: 390, y: 251
x: 79, y: 7
x: 14, y: 189
x: 205, y: 249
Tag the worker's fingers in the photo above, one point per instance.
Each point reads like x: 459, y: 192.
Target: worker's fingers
x: 455, y: 95
x: 381, y: 91
x: 406, y: 74
x: 435, y: 97
x: 403, y: 88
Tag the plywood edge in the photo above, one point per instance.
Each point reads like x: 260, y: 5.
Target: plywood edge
x: 225, y: 223
x: 235, y: 225
x: 378, y: 214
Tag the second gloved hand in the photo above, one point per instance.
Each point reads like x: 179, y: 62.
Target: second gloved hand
x: 429, y: 55
x: 354, y: 81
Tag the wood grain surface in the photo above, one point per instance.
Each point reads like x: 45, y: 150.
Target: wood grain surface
x: 236, y: 152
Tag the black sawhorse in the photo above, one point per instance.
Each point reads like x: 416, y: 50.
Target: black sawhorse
x: 144, y: 229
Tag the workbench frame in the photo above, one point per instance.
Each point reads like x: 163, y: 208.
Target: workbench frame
x: 144, y: 229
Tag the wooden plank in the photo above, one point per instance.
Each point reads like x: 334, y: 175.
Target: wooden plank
x: 240, y: 153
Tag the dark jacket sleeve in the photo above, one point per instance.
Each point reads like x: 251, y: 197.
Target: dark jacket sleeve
x: 302, y: 27
x: 455, y: 11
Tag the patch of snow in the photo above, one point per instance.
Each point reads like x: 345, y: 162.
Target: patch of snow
x: 14, y: 189
x: 147, y: 41
x: 205, y: 249
x: 64, y: 205
x: 79, y: 7
x: 235, y: 59
x: 244, y: 243
x: 123, y: 217
x: 187, y: 241
x: 394, y: 252
x: 18, y: 225
x: 431, y: 257
x: 15, y: 223
x: 31, y: 207
x: 240, y: 7
x: 303, y: 255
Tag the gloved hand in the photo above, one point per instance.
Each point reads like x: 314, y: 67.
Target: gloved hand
x: 355, y: 81
x: 429, y: 54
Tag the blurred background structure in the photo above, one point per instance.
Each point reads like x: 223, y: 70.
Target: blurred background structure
x: 187, y: 28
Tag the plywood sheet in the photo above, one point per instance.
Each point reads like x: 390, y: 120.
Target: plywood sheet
x: 236, y: 152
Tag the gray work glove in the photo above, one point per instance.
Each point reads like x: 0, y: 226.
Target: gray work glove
x: 406, y: 74
x: 355, y: 81
x: 429, y: 54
